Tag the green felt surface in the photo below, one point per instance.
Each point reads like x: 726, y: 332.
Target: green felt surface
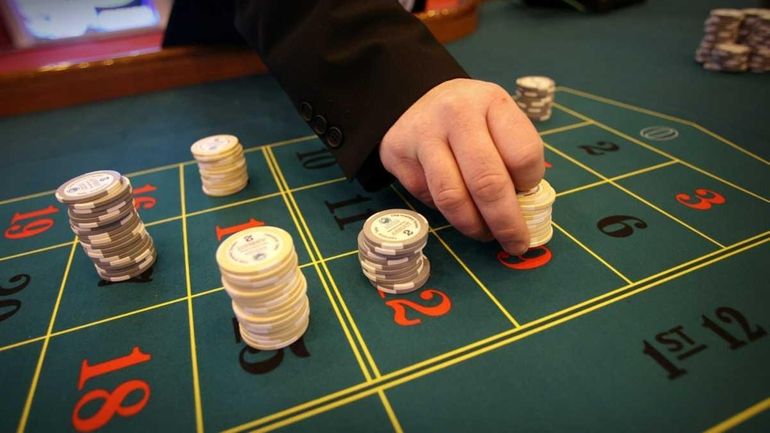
x: 661, y: 329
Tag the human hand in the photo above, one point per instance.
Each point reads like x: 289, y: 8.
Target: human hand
x: 465, y: 147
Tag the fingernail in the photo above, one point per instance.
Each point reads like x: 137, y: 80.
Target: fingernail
x: 517, y: 248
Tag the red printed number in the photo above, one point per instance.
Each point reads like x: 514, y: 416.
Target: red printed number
x: 532, y: 259
x: 112, y: 402
x: 227, y: 231
x: 400, y: 307
x: 703, y: 200
x: 145, y: 202
x: 21, y: 228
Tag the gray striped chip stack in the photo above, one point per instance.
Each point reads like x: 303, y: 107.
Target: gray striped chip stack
x: 221, y: 164
x: 390, y: 250
x: 102, y: 215
x: 534, y: 95
x: 260, y: 272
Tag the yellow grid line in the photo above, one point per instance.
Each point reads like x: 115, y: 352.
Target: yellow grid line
x: 311, y: 238
x: 660, y: 152
x: 191, y: 317
x: 591, y: 252
x: 39, y: 250
x: 44, y: 349
x: 478, y: 348
x: 565, y: 128
x: 740, y: 417
x: 22, y: 343
x: 163, y: 221
x: 632, y: 194
x: 465, y: 267
x: 663, y: 116
x: 278, y: 177
x: 616, y: 178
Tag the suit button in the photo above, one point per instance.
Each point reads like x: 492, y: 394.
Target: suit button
x: 334, y: 137
x: 306, y: 111
x: 318, y: 123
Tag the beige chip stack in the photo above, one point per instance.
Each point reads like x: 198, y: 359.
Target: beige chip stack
x: 221, y: 164
x: 260, y: 272
x: 536, y: 206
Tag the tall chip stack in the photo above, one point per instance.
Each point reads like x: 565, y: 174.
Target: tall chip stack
x: 758, y: 39
x: 736, y: 40
x: 102, y: 215
x: 720, y: 27
x: 260, y: 272
x: 536, y: 207
x: 534, y: 95
x: 390, y: 251
x: 221, y: 164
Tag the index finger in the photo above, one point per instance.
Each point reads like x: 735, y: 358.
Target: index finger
x: 489, y: 183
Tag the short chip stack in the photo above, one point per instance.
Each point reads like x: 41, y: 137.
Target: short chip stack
x: 390, y: 250
x: 221, y: 164
x: 534, y: 94
x: 536, y: 206
x: 102, y: 215
x: 728, y: 57
x: 260, y: 272
x: 721, y: 27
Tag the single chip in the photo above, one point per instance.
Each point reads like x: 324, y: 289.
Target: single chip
x: 254, y: 250
x: 89, y: 187
x: 215, y: 145
x: 396, y: 229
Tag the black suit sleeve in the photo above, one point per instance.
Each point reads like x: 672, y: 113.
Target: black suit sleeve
x: 351, y: 67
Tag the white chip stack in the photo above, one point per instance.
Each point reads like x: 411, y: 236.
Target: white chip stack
x: 536, y: 206
x: 390, y: 250
x: 736, y: 40
x: 221, y: 164
x: 260, y: 272
x: 102, y: 215
x: 534, y: 95
x: 720, y: 27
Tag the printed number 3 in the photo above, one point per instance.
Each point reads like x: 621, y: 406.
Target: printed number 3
x: 703, y: 200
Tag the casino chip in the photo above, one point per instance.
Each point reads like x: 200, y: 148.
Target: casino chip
x: 102, y: 215
x: 534, y: 95
x: 260, y: 272
x: 536, y: 206
x: 390, y: 251
x: 221, y: 164
x: 736, y: 40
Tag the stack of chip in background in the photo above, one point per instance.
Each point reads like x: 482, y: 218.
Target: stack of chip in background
x: 536, y: 206
x: 390, y: 250
x: 102, y: 215
x: 757, y: 37
x: 221, y: 164
x: 260, y: 272
x: 534, y: 94
x: 720, y: 27
x: 728, y: 57
x: 736, y: 40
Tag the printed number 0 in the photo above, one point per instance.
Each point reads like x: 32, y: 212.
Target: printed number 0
x: 706, y: 198
x: 112, y: 404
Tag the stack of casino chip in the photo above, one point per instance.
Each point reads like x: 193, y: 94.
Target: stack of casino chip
x: 728, y: 57
x: 221, y: 164
x: 534, y: 95
x: 536, y: 206
x: 390, y: 250
x: 722, y: 26
x: 751, y: 17
x: 260, y: 272
x: 757, y: 37
x: 102, y: 215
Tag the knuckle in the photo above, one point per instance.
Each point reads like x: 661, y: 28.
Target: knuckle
x: 449, y: 199
x: 489, y: 187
